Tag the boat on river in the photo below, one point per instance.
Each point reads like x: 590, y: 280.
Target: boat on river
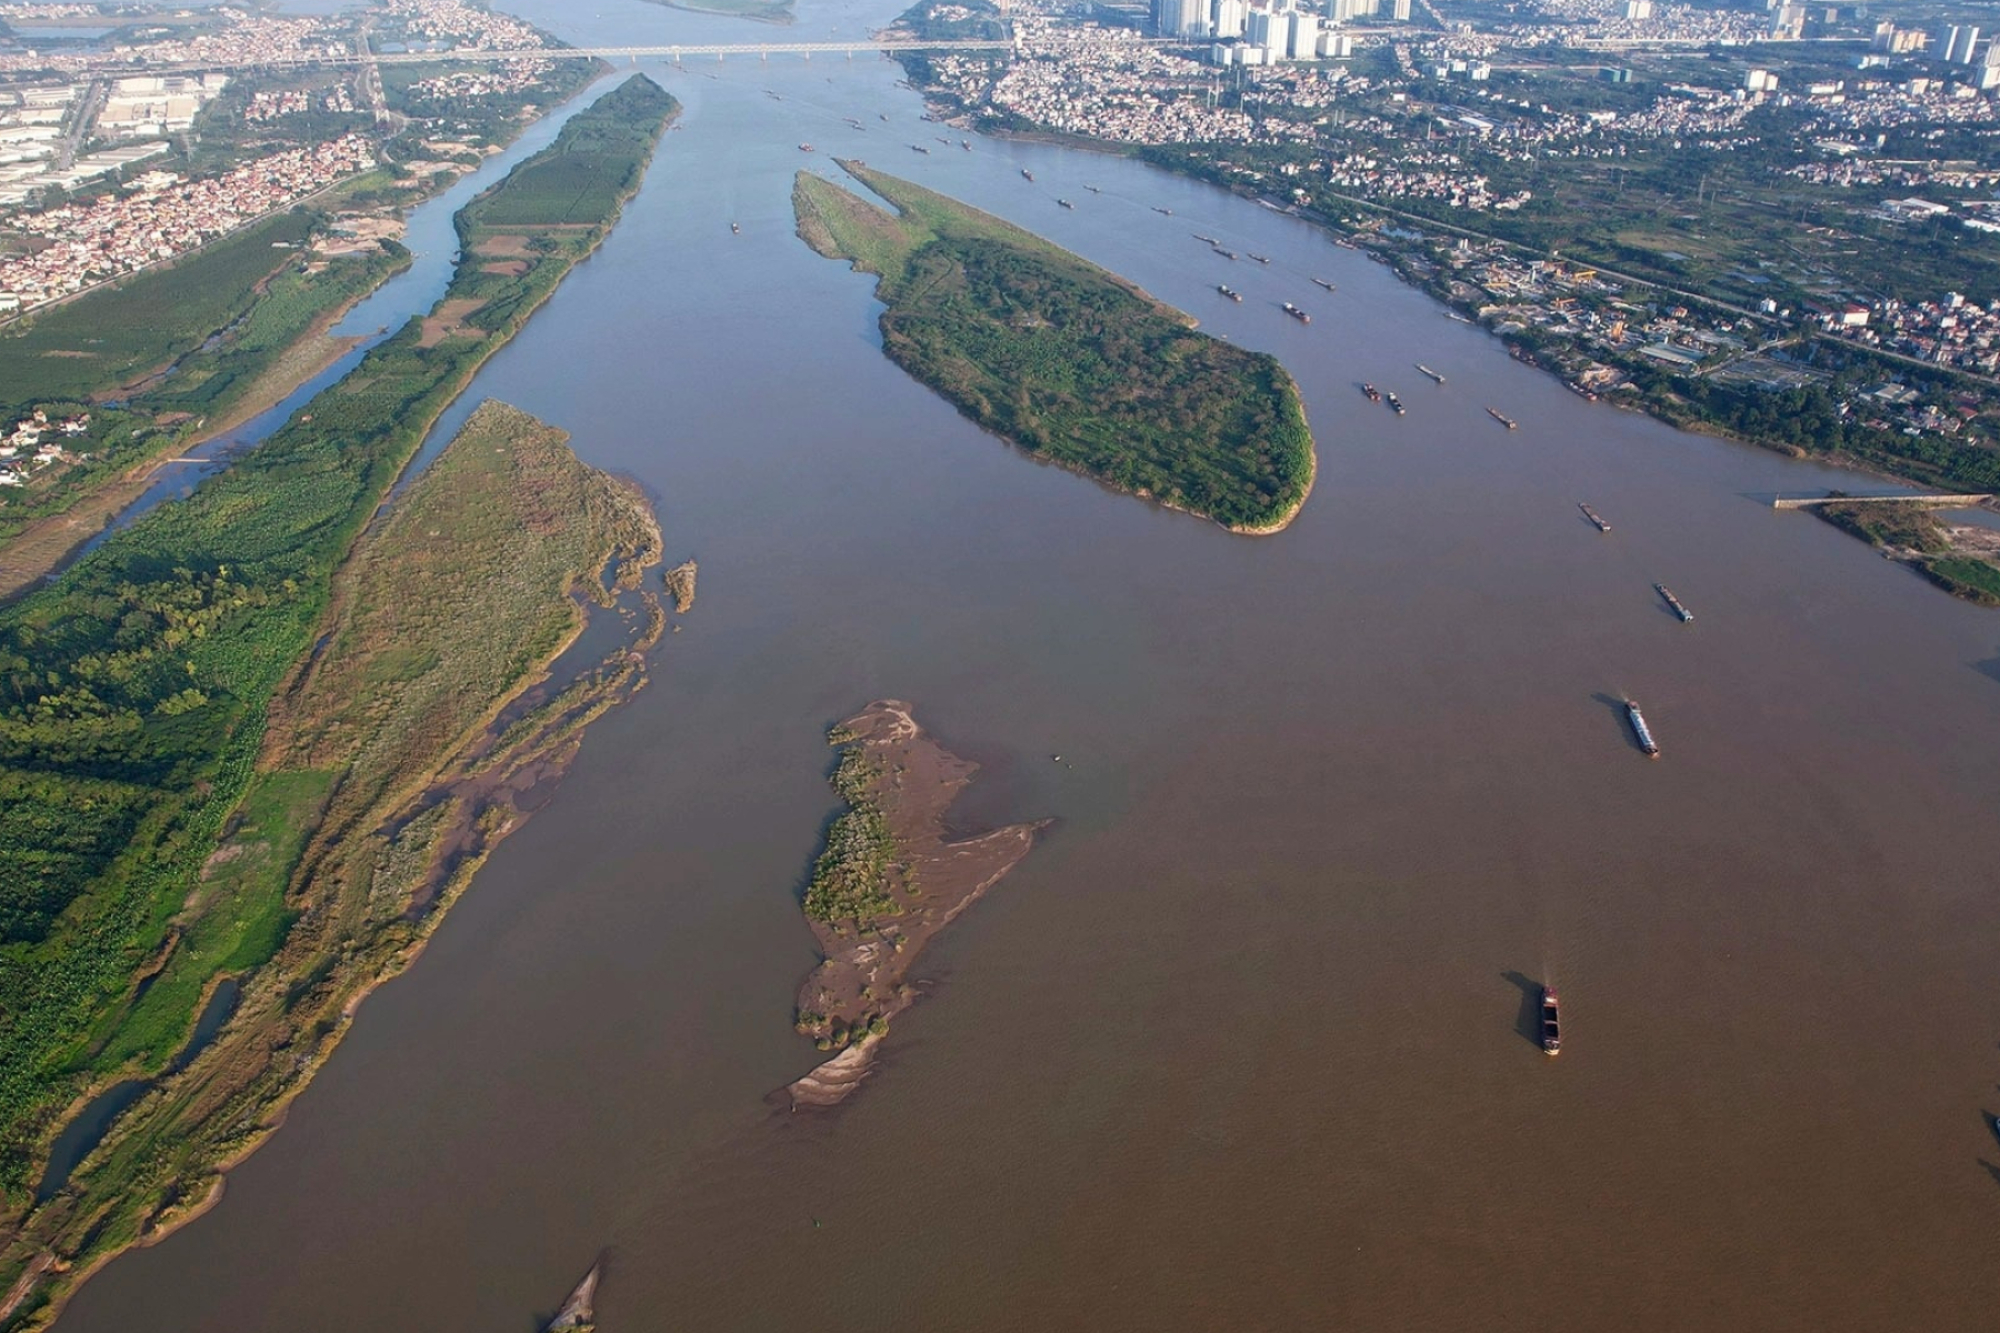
x: 1373, y: 394
x: 1298, y: 314
x: 1500, y: 417
x: 1206, y: 240
x: 919, y: 148
x: 1324, y: 283
x: 1260, y: 259
x: 1065, y: 203
x: 1640, y: 731
x: 1687, y: 616
x: 735, y: 229
x: 805, y: 148
x: 1229, y: 292
x: 1026, y: 174
x: 1552, y: 1043
x: 1395, y: 403
x: 1595, y: 518
x: 1164, y: 212
x: 1428, y: 373
x: 1226, y: 254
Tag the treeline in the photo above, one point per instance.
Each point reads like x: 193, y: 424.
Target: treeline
x: 133, y: 692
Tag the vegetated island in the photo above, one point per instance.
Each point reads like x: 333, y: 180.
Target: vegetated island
x: 761, y: 11
x: 887, y: 882
x: 263, y: 737
x: 1960, y: 558
x: 1067, y: 361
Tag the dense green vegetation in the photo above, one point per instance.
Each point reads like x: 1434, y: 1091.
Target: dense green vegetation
x: 1066, y: 360
x: 853, y: 880
x: 111, y: 337
x: 134, y: 692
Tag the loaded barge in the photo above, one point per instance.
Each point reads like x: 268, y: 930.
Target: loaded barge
x: 1298, y: 314
x: 1373, y: 394
x: 1494, y: 412
x: 1551, y: 1022
x: 1324, y: 283
x: 1687, y: 616
x: 1640, y: 731
x: 1395, y: 404
x: 1429, y: 373
x: 1592, y: 515
x: 1229, y: 292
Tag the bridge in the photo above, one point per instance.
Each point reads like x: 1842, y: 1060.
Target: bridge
x: 674, y: 51
x: 1952, y: 501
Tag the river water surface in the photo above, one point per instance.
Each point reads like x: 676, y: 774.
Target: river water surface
x: 1243, y: 1043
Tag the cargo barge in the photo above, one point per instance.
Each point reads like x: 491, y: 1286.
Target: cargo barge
x: 1640, y: 731
x: 1229, y: 292
x: 1373, y: 394
x: 1324, y: 283
x: 1429, y: 373
x: 1506, y: 421
x: 1687, y: 616
x: 1298, y: 314
x: 1595, y: 519
x: 1395, y: 403
x: 1551, y: 1022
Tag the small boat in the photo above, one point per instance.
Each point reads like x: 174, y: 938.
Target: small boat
x: 1592, y: 515
x: 1372, y: 393
x: 1259, y: 258
x: 1207, y: 240
x: 1229, y: 292
x: 1226, y: 254
x: 1344, y: 243
x: 1395, y: 403
x: 1324, y: 283
x: 1026, y: 174
x: 883, y: 115
x: 805, y: 148
x: 735, y: 229
x: 1640, y: 731
x: 941, y: 139
x: 966, y: 144
x: 1552, y: 1043
x: 1093, y: 189
x: 1506, y: 421
x: 1163, y: 212
x: 1429, y: 373
x: 1065, y: 203
x: 1687, y: 616
x: 919, y: 148
x: 1298, y: 314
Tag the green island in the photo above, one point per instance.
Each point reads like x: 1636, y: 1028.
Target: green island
x: 199, y: 795
x: 1959, y: 559
x: 1067, y: 361
x: 888, y: 880
x: 762, y: 11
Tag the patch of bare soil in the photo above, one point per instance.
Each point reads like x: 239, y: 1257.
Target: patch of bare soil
x: 511, y: 268
x: 448, y: 321
x: 503, y: 246
x: 861, y: 984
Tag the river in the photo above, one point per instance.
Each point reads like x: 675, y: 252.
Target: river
x: 1241, y: 1045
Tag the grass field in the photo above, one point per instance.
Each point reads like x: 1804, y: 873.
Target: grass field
x: 1067, y: 361
x: 134, y: 696
x: 111, y: 337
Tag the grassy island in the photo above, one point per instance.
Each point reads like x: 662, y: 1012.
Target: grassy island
x: 251, y: 738
x: 1067, y: 361
x: 1961, y: 560
x: 887, y: 882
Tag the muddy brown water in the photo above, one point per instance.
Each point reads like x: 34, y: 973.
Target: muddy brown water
x: 1241, y: 1044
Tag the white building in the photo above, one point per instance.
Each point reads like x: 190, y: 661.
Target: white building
x: 1304, y: 35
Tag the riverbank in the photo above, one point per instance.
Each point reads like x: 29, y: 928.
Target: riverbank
x: 887, y: 883
x: 1066, y: 361
x: 258, y: 559
x: 1956, y: 557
